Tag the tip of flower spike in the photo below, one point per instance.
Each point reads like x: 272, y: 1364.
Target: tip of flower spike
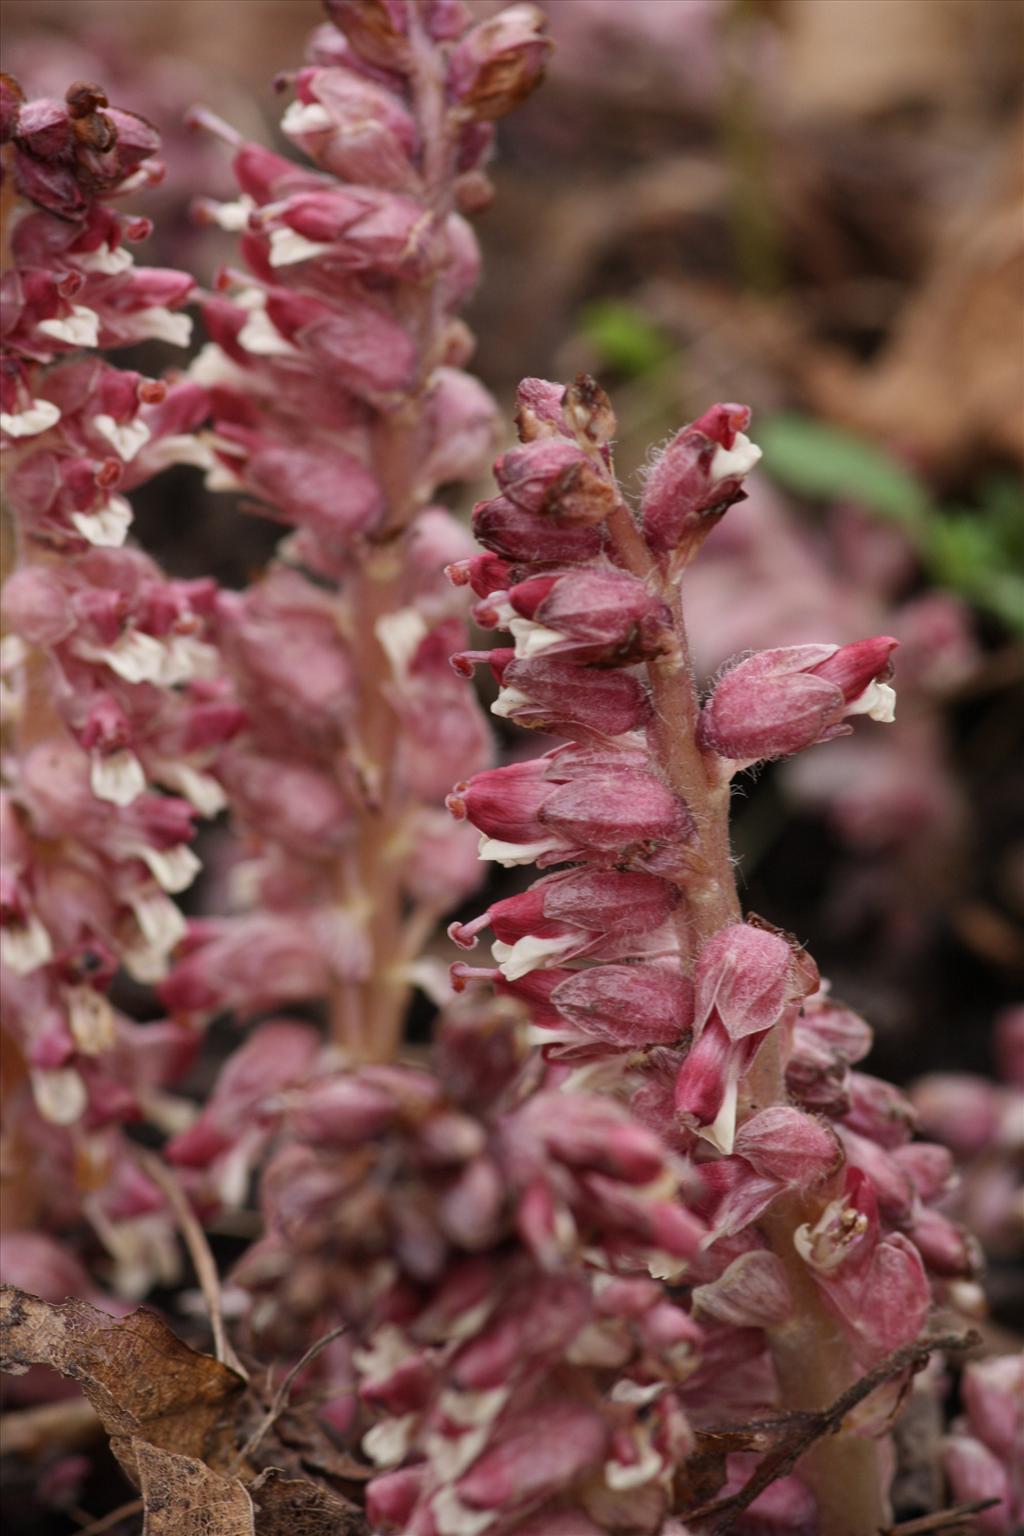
x: 722, y: 422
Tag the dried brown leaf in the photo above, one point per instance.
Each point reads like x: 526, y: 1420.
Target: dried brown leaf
x: 183, y: 1497
x: 141, y: 1380
x: 294, y: 1507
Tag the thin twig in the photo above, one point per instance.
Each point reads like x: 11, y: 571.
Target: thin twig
x: 944, y: 1520
x: 107, y: 1522
x: 815, y: 1426
x: 202, y: 1260
x: 280, y: 1399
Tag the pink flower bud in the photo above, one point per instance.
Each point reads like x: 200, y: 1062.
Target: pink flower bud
x: 743, y: 977
x: 357, y: 130
x: 343, y: 1110
x: 359, y: 229
x: 707, y: 1087
x: 946, y: 1248
x: 592, y: 1133
x: 779, y: 702
x: 250, y: 962
x: 517, y: 535
x: 525, y: 815
x: 529, y: 1329
x: 930, y: 1168
x: 958, y: 1109
x: 628, y: 814
x: 499, y: 62
x: 879, y: 1111
x: 875, y: 1283
x: 296, y: 804
x: 974, y: 1473
x: 563, y: 698
x: 392, y: 1497
x: 697, y: 479
x: 36, y: 606
x: 330, y: 492
x: 752, y: 1293
x: 993, y: 1393
x: 461, y: 424
x: 554, y: 477
x: 783, y: 1143
x: 590, y: 615
x: 275, y: 1056
x: 893, y: 1188
x: 369, y: 350
x: 629, y: 1006
x: 535, y: 1456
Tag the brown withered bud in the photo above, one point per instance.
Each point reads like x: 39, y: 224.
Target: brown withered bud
x: 83, y: 98
x: 499, y: 62
x: 376, y: 29
x: 588, y: 410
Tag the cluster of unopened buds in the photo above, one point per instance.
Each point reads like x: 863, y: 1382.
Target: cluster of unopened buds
x: 641, y: 1197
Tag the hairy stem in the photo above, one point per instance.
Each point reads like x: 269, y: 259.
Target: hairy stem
x: 812, y: 1362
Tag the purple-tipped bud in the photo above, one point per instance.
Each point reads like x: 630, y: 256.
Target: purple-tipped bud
x: 697, y: 479
x: 782, y: 701
x: 499, y: 62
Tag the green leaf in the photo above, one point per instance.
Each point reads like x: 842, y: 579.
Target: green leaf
x: 827, y: 463
x: 626, y: 339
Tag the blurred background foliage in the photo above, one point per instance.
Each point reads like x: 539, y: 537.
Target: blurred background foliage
x: 809, y: 205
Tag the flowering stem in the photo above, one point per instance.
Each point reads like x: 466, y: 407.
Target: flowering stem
x: 811, y: 1359
x: 366, y: 1017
